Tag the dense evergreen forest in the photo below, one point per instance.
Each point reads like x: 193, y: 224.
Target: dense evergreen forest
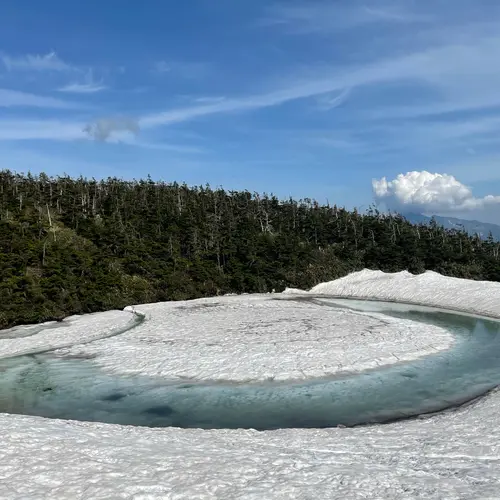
x: 79, y: 245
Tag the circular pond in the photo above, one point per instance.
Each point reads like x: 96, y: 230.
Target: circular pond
x: 48, y: 386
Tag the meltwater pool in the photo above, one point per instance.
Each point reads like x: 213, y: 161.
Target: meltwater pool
x: 46, y: 385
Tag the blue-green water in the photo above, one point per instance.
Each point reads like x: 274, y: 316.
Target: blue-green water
x: 49, y: 386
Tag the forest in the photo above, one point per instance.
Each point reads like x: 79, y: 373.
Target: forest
x: 77, y: 245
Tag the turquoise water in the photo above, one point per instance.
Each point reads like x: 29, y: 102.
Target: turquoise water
x: 49, y: 386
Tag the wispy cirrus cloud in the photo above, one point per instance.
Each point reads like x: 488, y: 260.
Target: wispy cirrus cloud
x: 15, y: 98
x: 209, y: 99
x: 462, y: 76
x: 59, y: 130
x: 219, y: 105
x: 329, y: 101
x: 115, y: 130
x: 304, y: 18
x: 161, y: 67
x: 84, y: 82
x: 87, y: 86
x: 83, y: 88
x: 35, y: 62
x: 182, y: 69
x: 465, y: 136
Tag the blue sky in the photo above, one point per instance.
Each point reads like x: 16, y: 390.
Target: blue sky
x: 304, y: 98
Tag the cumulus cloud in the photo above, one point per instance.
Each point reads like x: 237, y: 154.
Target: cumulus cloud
x: 104, y: 128
x: 425, y: 192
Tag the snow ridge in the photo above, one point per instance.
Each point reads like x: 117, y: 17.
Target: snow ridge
x: 70, y: 332
x: 429, y: 289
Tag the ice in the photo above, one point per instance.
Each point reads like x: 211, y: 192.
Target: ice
x: 260, y: 338
x: 454, y: 455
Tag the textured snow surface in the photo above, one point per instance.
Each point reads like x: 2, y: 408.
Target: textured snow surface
x: 454, y: 456
x: 450, y: 456
x: 429, y: 288
x: 74, y: 329
x: 258, y: 338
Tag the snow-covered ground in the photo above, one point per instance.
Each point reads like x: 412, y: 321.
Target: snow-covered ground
x: 256, y: 337
x: 72, y: 330
x: 454, y: 455
x: 429, y: 288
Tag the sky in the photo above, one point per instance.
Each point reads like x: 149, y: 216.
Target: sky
x: 352, y: 102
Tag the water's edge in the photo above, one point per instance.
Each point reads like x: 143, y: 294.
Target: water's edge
x: 41, y: 384
x: 137, y: 319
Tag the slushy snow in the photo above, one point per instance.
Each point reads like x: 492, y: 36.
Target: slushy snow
x: 256, y: 337
x: 72, y: 330
x: 453, y: 455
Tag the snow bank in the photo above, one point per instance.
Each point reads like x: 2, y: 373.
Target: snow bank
x: 72, y: 330
x: 452, y: 456
x: 429, y: 288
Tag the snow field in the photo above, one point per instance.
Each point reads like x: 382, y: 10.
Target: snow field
x: 250, y: 338
x: 429, y: 288
x: 74, y: 329
x: 450, y: 456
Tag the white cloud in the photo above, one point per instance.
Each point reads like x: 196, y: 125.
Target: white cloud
x: 83, y: 88
x: 208, y: 99
x: 113, y: 130
x: 469, y: 133
x: 173, y: 148
x: 161, y: 67
x: 35, y: 62
x: 466, y: 76
x: 182, y: 69
x: 425, y: 192
x: 329, y: 101
x: 61, y: 130
x: 228, y: 105
x: 13, y: 130
x: 328, y: 17
x: 14, y: 98
x: 52, y: 62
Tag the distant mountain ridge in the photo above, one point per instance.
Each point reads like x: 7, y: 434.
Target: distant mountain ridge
x: 472, y: 227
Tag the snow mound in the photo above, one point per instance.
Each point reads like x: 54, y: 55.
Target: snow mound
x: 72, y: 330
x: 293, y: 291
x: 429, y: 288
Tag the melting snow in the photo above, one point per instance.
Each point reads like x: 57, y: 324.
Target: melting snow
x: 429, y: 288
x: 72, y: 330
x: 454, y: 455
x: 259, y: 338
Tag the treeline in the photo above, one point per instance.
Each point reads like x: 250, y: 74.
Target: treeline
x: 79, y: 245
